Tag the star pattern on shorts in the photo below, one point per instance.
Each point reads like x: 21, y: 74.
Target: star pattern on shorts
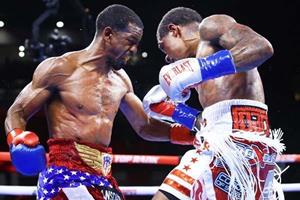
x: 186, y: 167
x: 194, y: 160
x: 199, y: 151
x: 54, y: 178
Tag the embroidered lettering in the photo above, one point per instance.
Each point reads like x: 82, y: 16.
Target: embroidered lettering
x: 181, y: 67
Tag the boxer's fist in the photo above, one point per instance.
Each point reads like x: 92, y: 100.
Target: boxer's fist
x: 179, y: 76
x: 176, y: 78
x: 27, y: 155
x: 157, y: 105
x: 153, y: 99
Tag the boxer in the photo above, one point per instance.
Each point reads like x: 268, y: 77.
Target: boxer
x: 235, y: 151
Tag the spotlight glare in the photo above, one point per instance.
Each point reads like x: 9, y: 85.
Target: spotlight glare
x: 1, y: 24
x: 21, y: 54
x: 144, y: 54
x: 59, y: 24
x: 21, y: 48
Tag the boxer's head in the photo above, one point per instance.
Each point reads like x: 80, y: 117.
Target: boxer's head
x: 121, y: 30
x: 178, y: 33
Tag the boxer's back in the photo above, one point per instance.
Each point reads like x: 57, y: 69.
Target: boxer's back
x: 84, y: 103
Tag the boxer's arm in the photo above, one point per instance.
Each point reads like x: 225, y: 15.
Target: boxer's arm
x: 248, y: 48
x: 149, y: 128
x: 34, y: 95
x: 152, y: 129
x: 243, y: 49
x: 146, y: 127
x: 27, y: 155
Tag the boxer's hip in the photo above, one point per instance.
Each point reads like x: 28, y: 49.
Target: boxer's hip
x: 237, y: 132
x: 80, y: 156
x: 237, y: 115
x: 236, y: 120
x: 78, y: 169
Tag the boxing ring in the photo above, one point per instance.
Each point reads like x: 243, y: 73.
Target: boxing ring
x: 140, y: 159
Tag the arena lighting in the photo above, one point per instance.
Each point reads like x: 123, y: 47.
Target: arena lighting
x: 144, y: 54
x: 21, y: 54
x: 60, y: 24
x: 21, y: 48
x: 2, y: 23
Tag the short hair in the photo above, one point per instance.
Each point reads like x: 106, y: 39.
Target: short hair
x: 177, y: 16
x: 118, y: 18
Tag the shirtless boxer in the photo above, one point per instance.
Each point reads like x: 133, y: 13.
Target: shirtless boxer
x: 235, y: 151
x: 81, y: 92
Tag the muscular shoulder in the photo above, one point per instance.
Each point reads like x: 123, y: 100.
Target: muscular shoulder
x: 52, y: 71
x: 124, y: 76
x: 214, y: 26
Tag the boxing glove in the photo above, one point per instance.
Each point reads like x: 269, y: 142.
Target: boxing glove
x: 181, y: 135
x: 175, y: 78
x: 157, y: 105
x: 27, y: 155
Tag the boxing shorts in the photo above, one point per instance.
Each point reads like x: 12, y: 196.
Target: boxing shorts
x: 234, y: 156
x: 77, y: 171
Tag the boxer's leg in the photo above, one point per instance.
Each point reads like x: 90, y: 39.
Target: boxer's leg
x: 164, y: 195
x: 179, y: 182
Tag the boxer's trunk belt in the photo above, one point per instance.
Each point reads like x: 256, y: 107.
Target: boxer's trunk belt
x: 249, y: 118
x: 100, y: 161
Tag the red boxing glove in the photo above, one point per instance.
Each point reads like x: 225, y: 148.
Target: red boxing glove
x: 156, y: 104
x: 165, y: 108
x: 181, y: 135
x: 18, y: 136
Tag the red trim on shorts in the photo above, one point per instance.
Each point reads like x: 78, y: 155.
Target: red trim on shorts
x: 250, y: 119
x: 177, y: 186
x: 183, y: 176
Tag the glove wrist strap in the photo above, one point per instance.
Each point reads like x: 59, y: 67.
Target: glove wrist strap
x: 216, y: 65
x: 185, y: 115
x: 12, y: 134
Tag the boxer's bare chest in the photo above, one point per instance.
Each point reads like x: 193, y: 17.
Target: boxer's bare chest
x: 93, y: 93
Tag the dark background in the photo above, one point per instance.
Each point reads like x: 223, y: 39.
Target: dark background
x: 278, y: 21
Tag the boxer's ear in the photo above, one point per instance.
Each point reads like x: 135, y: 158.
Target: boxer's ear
x: 174, y: 30
x: 107, y: 33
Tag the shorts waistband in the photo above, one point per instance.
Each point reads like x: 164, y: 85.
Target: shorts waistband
x: 238, y: 114
x: 217, y: 110
x: 81, y: 156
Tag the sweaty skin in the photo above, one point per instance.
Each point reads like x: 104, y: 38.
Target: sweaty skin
x: 249, y: 50
x: 82, y: 94
x: 216, y: 32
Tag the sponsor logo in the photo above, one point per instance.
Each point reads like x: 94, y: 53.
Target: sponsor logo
x: 110, y: 193
x: 136, y: 159
x: 249, y: 118
x: 223, y: 181
x: 106, y: 163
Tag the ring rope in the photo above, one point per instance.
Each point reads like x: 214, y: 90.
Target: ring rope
x: 126, y: 190
x: 162, y: 159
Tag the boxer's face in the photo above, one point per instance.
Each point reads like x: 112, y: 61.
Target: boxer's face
x: 173, y: 46
x: 124, y: 45
x: 176, y: 44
